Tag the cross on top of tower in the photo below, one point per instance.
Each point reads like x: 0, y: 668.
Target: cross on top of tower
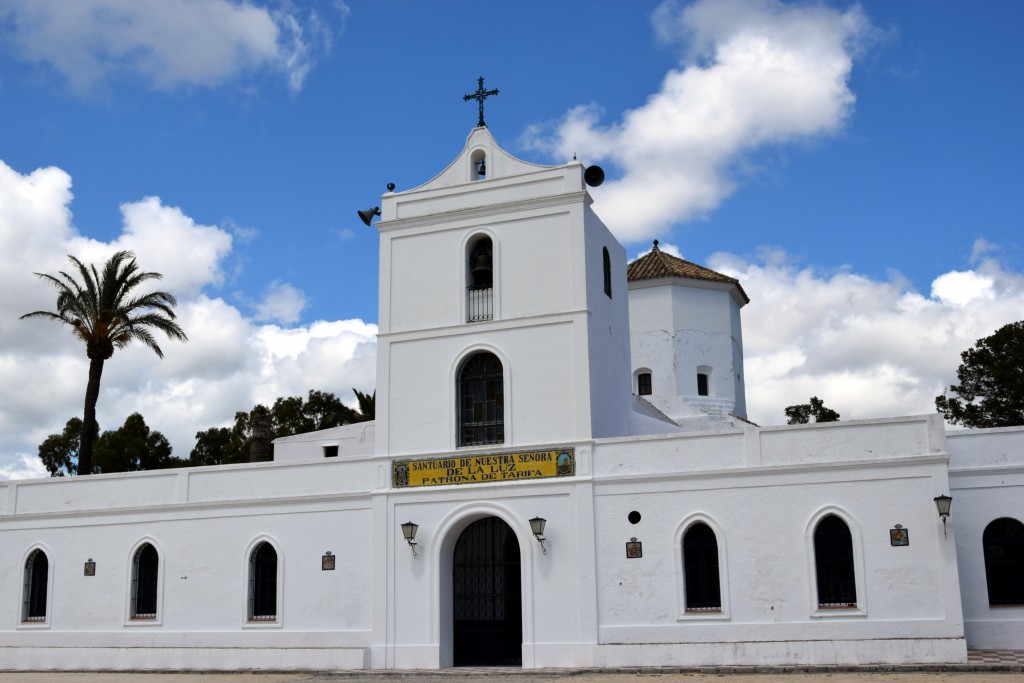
x: 480, y: 95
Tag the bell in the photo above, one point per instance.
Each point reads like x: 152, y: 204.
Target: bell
x: 481, y: 269
x: 482, y: 171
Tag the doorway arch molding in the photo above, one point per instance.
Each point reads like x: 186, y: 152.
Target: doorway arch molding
x: 442, y: 553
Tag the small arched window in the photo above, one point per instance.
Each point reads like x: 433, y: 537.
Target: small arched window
x: 37, y: 570
x: 700, y: 570
x: 607, y: 266
x: 481, y: 397
x: 1003, y: 543
x: 145, y: 574
x: 643, y: 384
x: 833, y: 564
x: 263, y: 583
x: 704, y: 384
x: 478, y: 165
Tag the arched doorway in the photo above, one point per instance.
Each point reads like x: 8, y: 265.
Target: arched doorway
x: 487, y: 609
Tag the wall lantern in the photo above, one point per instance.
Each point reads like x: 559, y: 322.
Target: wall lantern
x: 943, y: 503
x: 537, y: 527
x: 409, y: 532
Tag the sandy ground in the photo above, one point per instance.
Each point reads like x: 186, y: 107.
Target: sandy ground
x: 538, y: 677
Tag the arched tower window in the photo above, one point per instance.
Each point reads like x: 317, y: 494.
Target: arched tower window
x: 480, y: 279
x: 607, y: 266
x: 833, y: 564
x: 37, y: 570
x: 700, y: 570
x: 478, y: 165
x: 481, y: 397
x: 1003, y: 542
x: 145, y: 574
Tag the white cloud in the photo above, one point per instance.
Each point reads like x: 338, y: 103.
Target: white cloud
x: 230, y: 362
x: 24, y: 467
x: 281, y: 303
x: 170, y: 43
x: 868, y: 348
x: 759, y: 73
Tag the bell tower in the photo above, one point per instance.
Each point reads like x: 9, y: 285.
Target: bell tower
x: 503, y: 316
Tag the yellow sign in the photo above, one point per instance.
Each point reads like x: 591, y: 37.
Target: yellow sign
x: 480, y: 469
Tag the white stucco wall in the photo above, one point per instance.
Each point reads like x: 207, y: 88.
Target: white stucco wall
x: 584, y: 602
x: 986, y: 476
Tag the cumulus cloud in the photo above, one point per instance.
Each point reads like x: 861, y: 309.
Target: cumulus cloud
x: 230, y: 362
x: 869, y: 348
x: 170, y: 43
x: 758, y: 73
x: 281, y: 303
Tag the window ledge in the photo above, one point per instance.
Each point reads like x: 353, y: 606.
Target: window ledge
x: 32, y: 625
x: 144, y: 621
x: 718, y: 615
x: 262, y: 623
x: 837, y: 612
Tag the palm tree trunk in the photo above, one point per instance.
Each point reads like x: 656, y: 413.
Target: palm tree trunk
x: 89, y: 428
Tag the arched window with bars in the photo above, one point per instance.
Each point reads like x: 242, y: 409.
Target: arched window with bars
x: 833, y: 564
x: 145, y: 576
x: 481, y: 396
x: 37, y: 570
x: 700, y: 569
x: 263, y: 583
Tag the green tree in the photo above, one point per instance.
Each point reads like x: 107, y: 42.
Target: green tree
x: 132, y: 447
x: 325, y: 410
x: 105, y: 313
x: 991, y: 388
x: 59, y: 452
x: 814, y: 411
x: 213, y: 447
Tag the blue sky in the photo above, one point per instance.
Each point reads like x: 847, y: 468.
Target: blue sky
x: 855, y: 166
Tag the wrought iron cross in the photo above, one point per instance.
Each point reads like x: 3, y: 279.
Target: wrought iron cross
x: 480, y: 95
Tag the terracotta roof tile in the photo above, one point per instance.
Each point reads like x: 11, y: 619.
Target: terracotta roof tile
x: 657, y: 264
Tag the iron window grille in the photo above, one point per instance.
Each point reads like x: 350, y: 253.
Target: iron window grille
x: 643, y: 384
x: 481, y: 401
x: 700, y: 570
x: 145, y: 571
x: 37, y: 569
x: 833, y: 563
x: 263, y: 583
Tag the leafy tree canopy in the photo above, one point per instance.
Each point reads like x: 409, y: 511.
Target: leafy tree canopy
x: 129, y: 448
x: 814, y: 411
x: 991, y: 388
x: 250, y: 438
x: 59, y: 452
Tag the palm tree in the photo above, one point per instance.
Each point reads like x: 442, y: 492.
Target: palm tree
x: 104, y: 313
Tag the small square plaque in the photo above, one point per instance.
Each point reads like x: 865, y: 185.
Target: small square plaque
x: 899, y: 536
x: 634, y: 549
x: 327, y: 562
x: 90, y: 567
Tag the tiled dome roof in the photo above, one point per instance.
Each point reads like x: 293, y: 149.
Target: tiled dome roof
x: 657, y: 264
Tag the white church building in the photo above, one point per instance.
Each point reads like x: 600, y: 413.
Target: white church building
x: 560, y: 474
